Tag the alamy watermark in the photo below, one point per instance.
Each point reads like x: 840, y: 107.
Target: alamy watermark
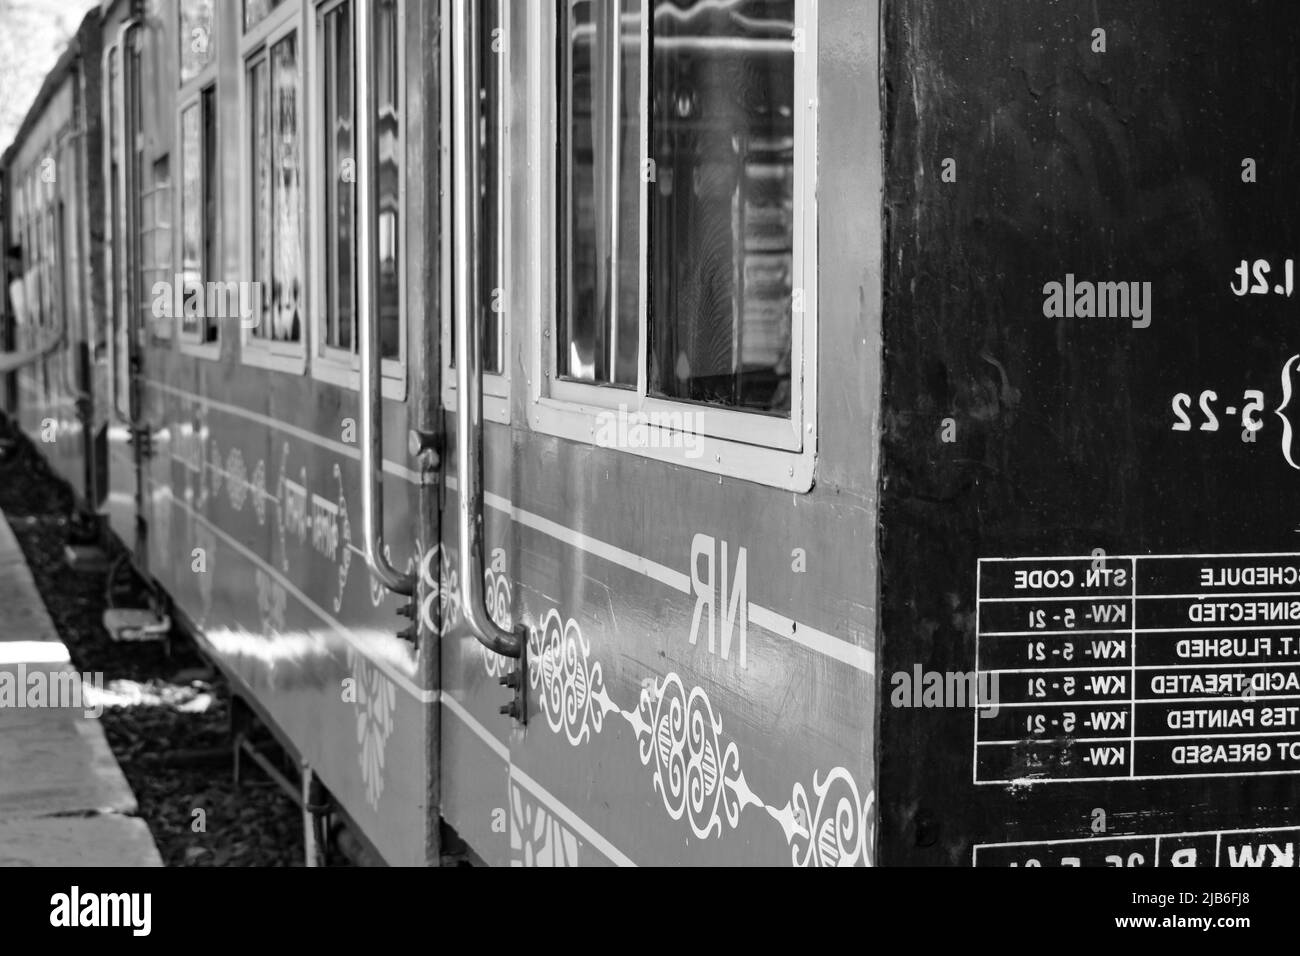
x: 194, y: 299
x: 961, y: 689
x: 1085, y: 299
x: 73, y: 909
x: 670, y: 429
x: 47, y: 689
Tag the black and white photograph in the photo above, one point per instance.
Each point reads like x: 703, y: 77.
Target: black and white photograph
x: 650, y: 433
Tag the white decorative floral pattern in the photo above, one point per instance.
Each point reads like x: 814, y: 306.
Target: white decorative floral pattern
x: 236, y: 479
x: 280, y: 501
x: 376, y: 700
x: 441, y: 590
x: 345, y: 535
x: 696, y: 770
x: 537, y: 838
x: 497, y: 594
x: 839, y: 831
x: 573, y: 696
x: 696, y: 773
x: 259, y: 491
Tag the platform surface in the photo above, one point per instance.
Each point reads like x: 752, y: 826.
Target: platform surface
x: 63, y: 798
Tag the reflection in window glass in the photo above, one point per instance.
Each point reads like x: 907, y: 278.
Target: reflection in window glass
x: 388, y: 107
x: 491, y: 165
x: 340, y: 179
x: 255, y: 11
x: 157, y: 260
x: 286, y: 194
x: 277, y: 191
x: 341, y: 175
x: 192, y: 217
x: 260, y: 140
x: 195, y: 37
x: 722, y: 208
x: 600, y: 190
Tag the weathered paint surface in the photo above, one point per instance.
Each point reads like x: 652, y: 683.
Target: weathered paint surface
x: 1123, y: 165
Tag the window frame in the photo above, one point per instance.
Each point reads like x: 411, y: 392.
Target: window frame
x: 192, y: 343
x: 153, y: 265
x: 256, y: 44
x: 329, y: 364
x: 190, y: 95
x: 769, y: 450
x: 496, y: 386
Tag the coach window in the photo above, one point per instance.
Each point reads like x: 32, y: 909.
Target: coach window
x: 40, y: 231
x: 495, y: 170
x: 339, y: 173
x: 19, y: 282
x: 49, y: 265
x: 684, y: 220
x: 34, y: 274
x: 200, y: 273
x: 274, y: 335
x: 201, y: 308
x: 157, y: 260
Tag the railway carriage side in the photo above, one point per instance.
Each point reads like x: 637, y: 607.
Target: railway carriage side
x: 682, y: 326
x: 240, y: 461
x: 53, y: 262
x: 329, y: 223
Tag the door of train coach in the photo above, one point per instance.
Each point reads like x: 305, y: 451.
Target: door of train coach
x: 121, y: 157
x: 658, y: 545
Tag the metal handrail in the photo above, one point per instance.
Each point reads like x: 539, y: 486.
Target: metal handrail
x: 469, y: 341
x: 372, y: 425
x: 17, y: 361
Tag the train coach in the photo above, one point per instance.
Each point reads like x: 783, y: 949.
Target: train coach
x: 613, y: 431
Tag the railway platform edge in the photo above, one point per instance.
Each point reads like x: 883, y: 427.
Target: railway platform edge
x: 63, y: 798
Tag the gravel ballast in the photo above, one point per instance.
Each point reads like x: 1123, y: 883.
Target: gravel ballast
x: 167, y: 711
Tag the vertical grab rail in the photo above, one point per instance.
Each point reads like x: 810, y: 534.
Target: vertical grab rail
x: 469, y: 353
x: 372, y: 425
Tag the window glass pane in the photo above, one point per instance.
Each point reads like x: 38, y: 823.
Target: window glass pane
x: 112, y: 228
x: 191, y: 217
x: 722, y: 205
x: 259, y: 100
x: 255, y: 11
x: 491, y: 277
x: 286, y: 195
x: 599, y: 189
x: 340, y: 177
x: 211, y: 249
x: 388, y: 239
x: 157, y: 259
x: 195, y: 37
x: 631, y: 185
